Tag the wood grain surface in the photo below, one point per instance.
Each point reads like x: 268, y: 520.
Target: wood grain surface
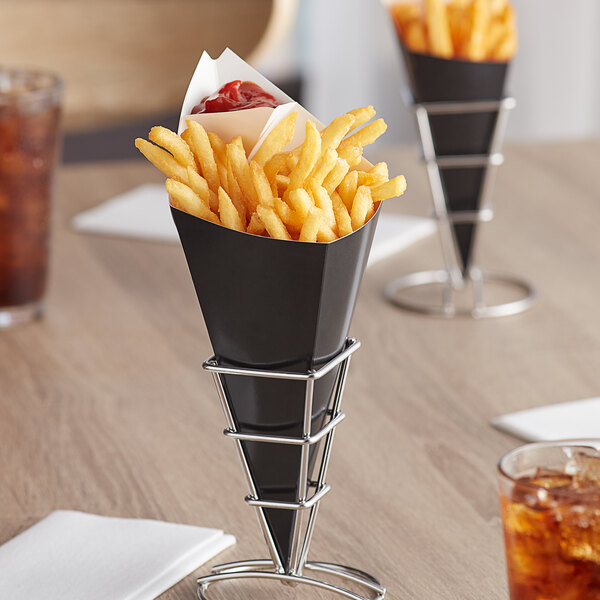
x: 104, y: 406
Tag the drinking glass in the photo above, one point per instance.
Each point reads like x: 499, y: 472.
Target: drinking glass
x: 550, y: 503
x: 30, y: 109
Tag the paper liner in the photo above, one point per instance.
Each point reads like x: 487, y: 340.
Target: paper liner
x: 268, y: 303
x: 434, y: 79
x: 252, y: 124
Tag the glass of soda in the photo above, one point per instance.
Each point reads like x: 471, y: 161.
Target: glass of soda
x: 550, y: 503
x: 30, y: 108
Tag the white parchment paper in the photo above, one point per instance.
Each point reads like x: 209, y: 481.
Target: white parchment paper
x: 253, y: 124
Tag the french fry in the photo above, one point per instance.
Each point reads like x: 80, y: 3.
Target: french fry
x: 280, y: 184
x: 322, y: 200
x: 262, y: 188
x: 218, y: 146
x: 170, y: 141
x: 336, y: 175
x: 380, y: 170
x: 508, y: 18
x: 371, y: 211
x: 237, y: 146
x: 162, y: 160
x: 459, y: 20
x: 372, y: 177
x: 278, y: 138
x: 236, y: 195
x: 476, y: 49
x: 188, y: 201
x: 220, y: 153
x: 389, y: 189
x: 282, y: 180
x: 198, y: 183
x: 506, y: 49
x: 367, y: 135
x: 228, y: 212
x: 200, y: 187
x: 365, y: 178
x: 336, y: 131
x: 361, y: 204
x: 223, y: 175
x: 301, y: 201
x: 347, y: 188
x: 237, y: 142
x: 198, y: 141
x: 255, y: 225
x: 415, y: 37
x: 507, y: 46
x: 309, y: 155
x: 311, y: 226
x: 438, y: 30
x: 273, y: 223
x: 291, y: 219
x: 342, y: 217
x: 404, y: 13
x: 361, y: 115
x: 324, y: 165
x: 497, y: 7
x: 496, y: 35
x: 275, y: 165
x: 175, y: 203
x: 291, y: 160
x: 239, y: 164
x: 326, y: 234
x: 351, y: 154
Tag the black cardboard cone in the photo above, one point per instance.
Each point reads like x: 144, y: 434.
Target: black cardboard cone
x: 434, y: 79
x: 279, y: 305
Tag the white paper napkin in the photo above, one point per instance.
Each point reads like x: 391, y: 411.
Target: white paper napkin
x: 77, y: 556
x: 397, y: 232
x: 144, y: 213
x: 569, y: 420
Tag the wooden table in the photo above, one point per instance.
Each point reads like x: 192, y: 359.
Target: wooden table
x: 104, y: 406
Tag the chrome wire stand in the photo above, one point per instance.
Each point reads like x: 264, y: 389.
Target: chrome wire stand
x: 307, y: 504
x: 452, y: 279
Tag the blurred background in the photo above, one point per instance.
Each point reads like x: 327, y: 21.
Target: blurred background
x: 352, y: 45
x: 127, y: 62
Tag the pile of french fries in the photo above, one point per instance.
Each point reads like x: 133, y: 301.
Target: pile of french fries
x: 476, y: 30
x: 315, y: 192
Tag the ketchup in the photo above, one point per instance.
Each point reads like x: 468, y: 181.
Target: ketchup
x: 235, y: 95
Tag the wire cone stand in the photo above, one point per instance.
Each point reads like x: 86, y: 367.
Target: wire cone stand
x: 310, y: 492
x: 461, y: 271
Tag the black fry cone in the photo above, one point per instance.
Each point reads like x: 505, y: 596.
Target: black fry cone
x: 434, y: 79
x: 278, y: 305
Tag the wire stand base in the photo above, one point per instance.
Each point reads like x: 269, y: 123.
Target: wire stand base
x: 255, y: 569
x: 441, y: 284
x: 290, y: 569
x: 461, y: 270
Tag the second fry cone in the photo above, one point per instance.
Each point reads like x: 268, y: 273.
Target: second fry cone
x: 435, y: 79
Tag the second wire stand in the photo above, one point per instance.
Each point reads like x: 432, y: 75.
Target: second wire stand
x: 307, y: 504
x: 452, y: 278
